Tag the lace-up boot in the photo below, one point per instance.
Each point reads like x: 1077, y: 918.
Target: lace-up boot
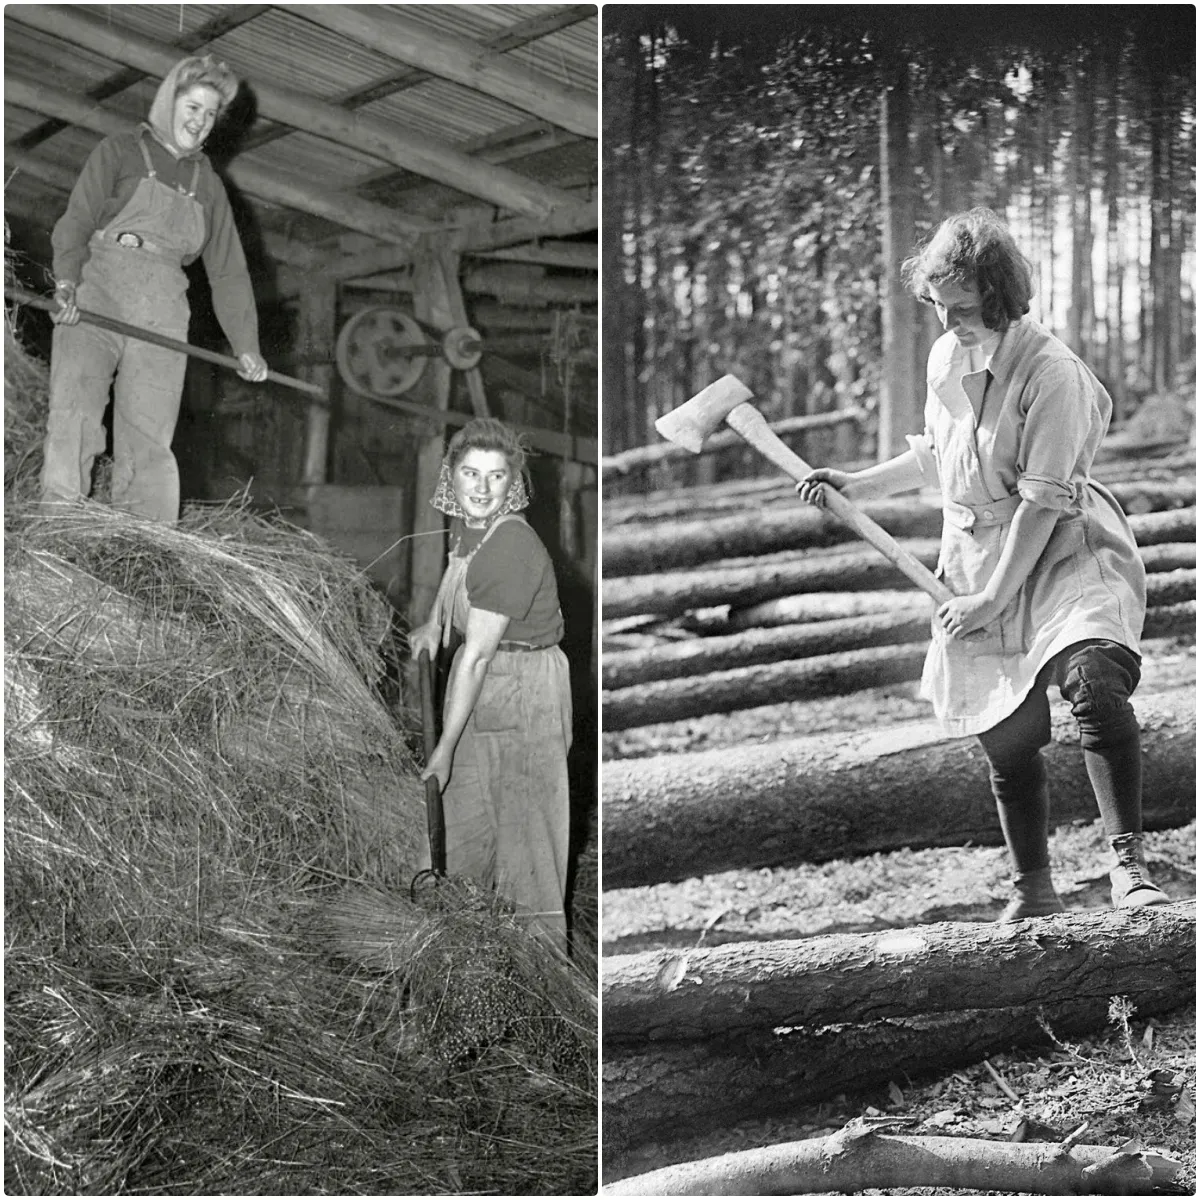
x: 1035, y: 897
x: 1131, y: 886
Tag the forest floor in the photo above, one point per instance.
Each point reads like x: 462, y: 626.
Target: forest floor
x: 1060, y: 1085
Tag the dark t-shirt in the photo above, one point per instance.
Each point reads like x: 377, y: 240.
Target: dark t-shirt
x: 512, y: 575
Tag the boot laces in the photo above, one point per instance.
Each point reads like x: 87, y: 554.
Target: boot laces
x: 1129, y: 860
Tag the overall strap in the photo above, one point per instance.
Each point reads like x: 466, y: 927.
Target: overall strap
x: 150, y: 171
x: 195, y: 178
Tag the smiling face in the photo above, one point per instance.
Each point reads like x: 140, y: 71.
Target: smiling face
x: 481, y: 481
x: 960, y: 311
x: 192, y: 120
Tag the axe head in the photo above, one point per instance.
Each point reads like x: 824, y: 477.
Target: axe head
x: 691, y: 423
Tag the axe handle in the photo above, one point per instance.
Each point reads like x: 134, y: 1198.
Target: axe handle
x: 752, y: 426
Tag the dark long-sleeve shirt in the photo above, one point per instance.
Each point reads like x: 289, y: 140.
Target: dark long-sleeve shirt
x: 109, y: 177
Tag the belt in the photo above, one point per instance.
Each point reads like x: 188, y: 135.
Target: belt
x: 522, y: 646
x: 980, y: 516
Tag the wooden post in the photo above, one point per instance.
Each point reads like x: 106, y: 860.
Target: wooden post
x: 437, y: 303
x: 316, y: 334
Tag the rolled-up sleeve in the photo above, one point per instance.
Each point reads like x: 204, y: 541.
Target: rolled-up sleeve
x: 1061, y: 421
x: 921, y: 444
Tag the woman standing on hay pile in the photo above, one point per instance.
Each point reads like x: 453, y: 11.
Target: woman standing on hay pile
x: 147, y: 203
x: 501, y: 760
x: 1040, y: 556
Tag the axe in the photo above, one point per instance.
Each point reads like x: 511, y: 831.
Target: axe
x: 727, y: 401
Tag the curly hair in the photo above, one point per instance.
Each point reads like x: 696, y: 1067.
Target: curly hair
x: 487, y: 433
x: 207, y: 72
x: 974, y: 248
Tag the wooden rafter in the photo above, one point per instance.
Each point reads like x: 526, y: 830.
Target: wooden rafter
x: 369, y: 135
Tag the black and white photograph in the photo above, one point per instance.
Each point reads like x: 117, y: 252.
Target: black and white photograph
x: 898, y: 599
x: 300, y: 621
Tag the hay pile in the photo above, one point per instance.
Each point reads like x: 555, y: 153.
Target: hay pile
x: 218, y: 977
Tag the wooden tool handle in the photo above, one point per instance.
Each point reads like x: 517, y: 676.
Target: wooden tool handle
x: 753, y: 427
x: 32, y: 300
x: 435, y: 815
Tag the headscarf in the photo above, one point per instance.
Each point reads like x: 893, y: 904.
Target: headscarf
x: 187, y: 72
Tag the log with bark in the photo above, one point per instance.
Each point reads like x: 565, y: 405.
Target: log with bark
x: 659, y: 1089
x: 741, y: 585
x: 646, y: 659
x: 1144, y: 493
x: 765, y: 683
x: 811, y: 799
x: 644, y: 549
x: 862, y: 1156
x: 1162, y: 588
x: 741, y: 987
x: 771, y: 678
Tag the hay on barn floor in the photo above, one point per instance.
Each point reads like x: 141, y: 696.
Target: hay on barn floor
x: 199, y: 770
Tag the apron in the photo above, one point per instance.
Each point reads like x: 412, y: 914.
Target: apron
x: 1085, y: 584
x: 507, y: 803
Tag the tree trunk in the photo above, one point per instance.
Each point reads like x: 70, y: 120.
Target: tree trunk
x: 676, y: 592
x: 811, y: 799
x: 860, y: 1157
x: 900, y: 397
x: 767, y: 683
x: 810, y: 983
x: 651, y: 548
x: 657, y: 1090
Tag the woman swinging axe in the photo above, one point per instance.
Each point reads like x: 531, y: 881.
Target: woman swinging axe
x: 146, y: 204
x: 1034, y: 549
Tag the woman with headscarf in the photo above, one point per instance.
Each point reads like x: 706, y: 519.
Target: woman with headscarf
x: 501, y: 760
x: 147, y: 204
x: 1039, y: 555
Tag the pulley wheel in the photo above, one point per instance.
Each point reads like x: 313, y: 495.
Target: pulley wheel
x: 378, y: 352
x: 463, y: 347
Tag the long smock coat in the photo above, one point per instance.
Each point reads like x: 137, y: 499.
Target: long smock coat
x: 1022, y: 424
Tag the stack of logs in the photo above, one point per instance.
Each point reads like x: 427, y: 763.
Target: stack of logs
x: 739, y: 596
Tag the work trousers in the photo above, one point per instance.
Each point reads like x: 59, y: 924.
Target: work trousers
x: 507, y: 802
x: 1096, y: 678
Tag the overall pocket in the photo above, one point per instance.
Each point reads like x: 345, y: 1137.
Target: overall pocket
x: 498, y: 709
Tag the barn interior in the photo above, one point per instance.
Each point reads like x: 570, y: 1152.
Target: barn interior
x: 415, y: 189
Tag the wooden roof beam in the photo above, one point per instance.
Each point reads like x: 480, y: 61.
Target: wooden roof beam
x: 369, y: 135
x: 468, y: 63
x: 230, y: 17
x: 582, y: 217
x: 581, y: 256
x: 272, y: 186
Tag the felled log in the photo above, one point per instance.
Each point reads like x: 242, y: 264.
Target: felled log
x: 860, y: 1157
x: 765, y: 683
x: 673, y: 545
x: 1142, y: 494
x: 642, y: 664
x: 743, y: 585
x: 655, y: 1090
x: 660, y: 452
x: 1162, y: 587
x: 698, y: 656
x: 694, y: 995
x: 1168, y: 556
x: 676, y: 592
x: 810, y: 799
x: 648, y: 548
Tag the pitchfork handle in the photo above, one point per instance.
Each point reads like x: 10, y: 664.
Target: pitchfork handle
x: 433, y: 793
x: 33, y: 300
x: 753, y: 428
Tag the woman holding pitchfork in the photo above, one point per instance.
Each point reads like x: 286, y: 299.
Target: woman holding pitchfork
x: 1036, y: 552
